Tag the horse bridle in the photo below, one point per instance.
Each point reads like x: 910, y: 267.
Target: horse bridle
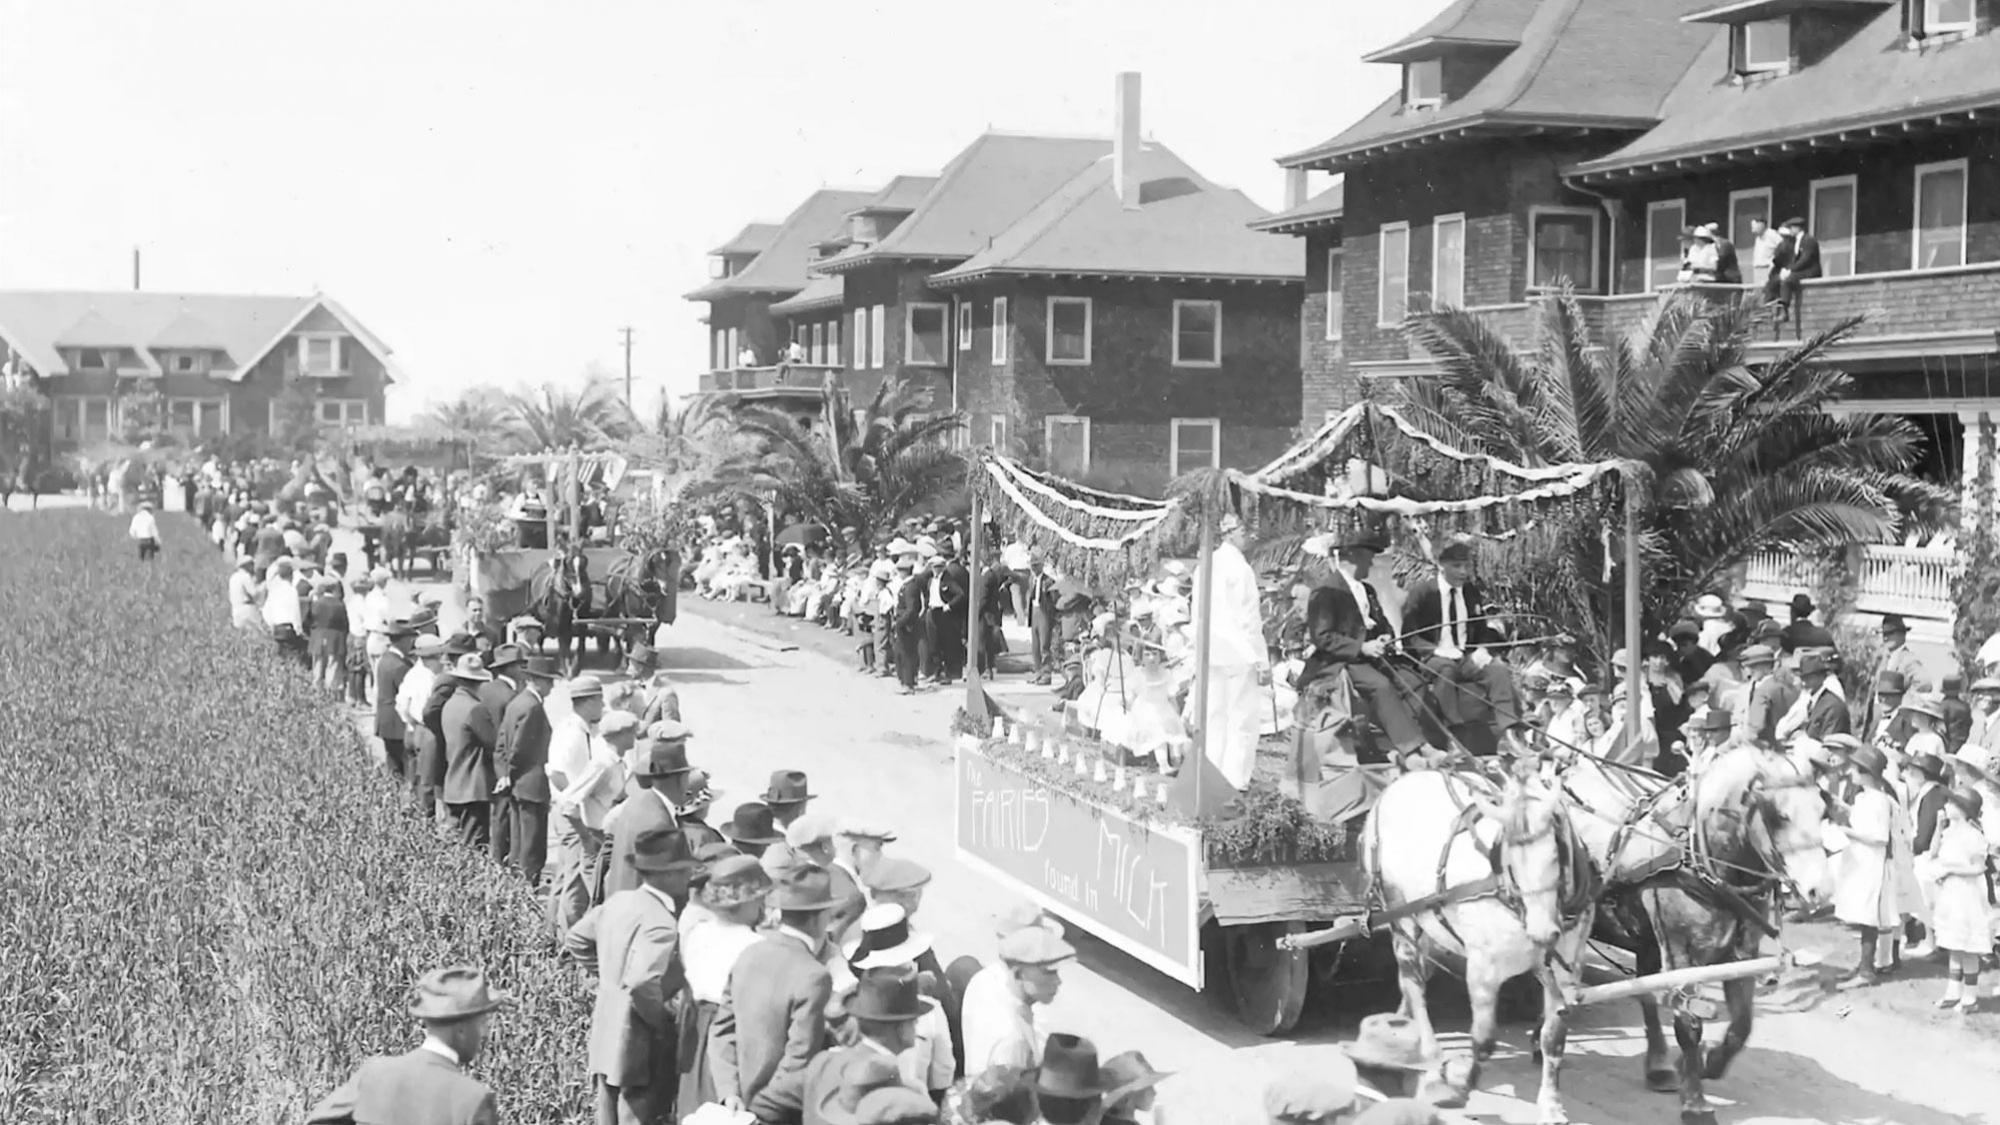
x: 1758, y: 809
x: 1568, y: 847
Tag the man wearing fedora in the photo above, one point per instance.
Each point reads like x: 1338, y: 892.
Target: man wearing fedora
x: 889, y: 941
x: 427, y: 1086
x: 752, y: 829
x: 859, y: 846
x: 389, y: 673
x: 432, y: 757
x: 1768, y: 698
x: 1450, y: 629
x: 1069, y: 1086
x: 787, y: 794
x: 773, y: 1015
x: 1130, y: 1083
x: 1899, y: 657
x: 470, y: 734
x: 1888, y: 724
x: 886, y: 1008
x: 1819, y: 710
x: 521, y: 785
x: 636, y: 943
x: 504, y: 662
x: 1349, y: 630
x: 660, y: 768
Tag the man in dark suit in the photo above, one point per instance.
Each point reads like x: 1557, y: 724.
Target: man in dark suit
x: 1797, y: 260
x: 912, y: 621
x: 772, y: 1019
x: 660, y: 767
x: 1448, y: 627
x: 1044, y: 620
x: 521, y: 783
x: 469, y: 737
x: 1826, y: 711
x: 954, y: 596
x: 389, y: 672
x: 427, y: 1086
x: 1770, y: 696
x: 431, y: 754
x: 1800, y: 632
x: 1348, y: 630
x: 504, y: 662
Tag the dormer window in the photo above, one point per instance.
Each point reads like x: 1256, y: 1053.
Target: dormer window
x: 1761, y: 46
x: 718, y: 266
x: 1932, y: 18
x: 1423, y: 84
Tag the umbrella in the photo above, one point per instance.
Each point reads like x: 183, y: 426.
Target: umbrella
x: 803, y: 534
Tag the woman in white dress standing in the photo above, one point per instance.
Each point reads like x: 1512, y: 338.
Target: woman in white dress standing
x: 1961, y: 918
x: 1865, y: 890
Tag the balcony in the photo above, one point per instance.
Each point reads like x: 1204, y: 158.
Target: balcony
x: 1912, y: 581
x: 779, y: 381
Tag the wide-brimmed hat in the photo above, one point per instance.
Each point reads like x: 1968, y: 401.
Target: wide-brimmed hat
x: 470, y: 668
x: 663, y: 850
x: 1869, y: 760
x: 1924, y: 705
x: 505, y: 656
x: 889, y: 992
x: 895, y: 873
x: 544, y: 668
x: 788, y: 787
x: 658, y: 758
x: 586, y: 687
x: 1974, y: 757
x: 1967, y: 800
x: 1926, y: 763
x: 735, y: 880
x: 752, y: 824
x: 1715, y: 720
x: 1128, y: 1074
x: 868, y: 829
x: 1069, y: 1068
x: 887, y: 939
x: 456, y: 993
x: 805, y: 888
x: 1390, y: 1042
x: 1986, y: 683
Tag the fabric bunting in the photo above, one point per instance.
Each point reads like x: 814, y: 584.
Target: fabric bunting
x: 1580, y: 479
x: 1325, y: 445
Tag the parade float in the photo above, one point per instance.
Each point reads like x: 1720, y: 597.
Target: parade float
x: 1172, y: 870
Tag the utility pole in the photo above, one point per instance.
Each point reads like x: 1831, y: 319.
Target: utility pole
x: 627, y: 333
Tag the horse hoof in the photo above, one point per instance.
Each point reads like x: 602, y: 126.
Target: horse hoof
x: 1663, y: 1081
x: 1716, y: 1070
x: 1483, y: 1049
x: 1697, y: 1117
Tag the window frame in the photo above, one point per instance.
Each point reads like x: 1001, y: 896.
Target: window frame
x: 1336, y: 261
x: 1382, y: 233
x: 1852, y: 183
x: 1739, y: 48
x: 1175, y: 334
x: 1174, y: 442
x: 1438, y: 223
x: 965, y: 313
x: 878, y: 336
x: 1653, y: 208
x: 195, y: 403
x: 76, y: 410
x: 338, y: 354
x: 1934, y: 27
x: 910, y: 312
x: 1536, y: 213
x: 861, y: 338
x: 1089, y: 328
x: 1002, y: 334
x: 1410, y: 100
x: 1770, y: 212
x: 834, y: 356
x: 1049, y: 422
x: 816, y: 346
x: 996, y: 432
x: 1963, y: 167
x: 103, y: 362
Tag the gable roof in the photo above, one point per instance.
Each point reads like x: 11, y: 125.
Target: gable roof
x: 754, y: 238
x: 1184, y: 226
x: 1321, y: 209
x: 1580, y: 64
x: 40, y: 323
x: 781, y: 266
x: 1864, y: 81
x: 985, y: 189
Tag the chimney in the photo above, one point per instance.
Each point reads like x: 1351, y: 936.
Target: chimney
x: 135, y: 269
x: 1125, y: 147
x: 1295, y: 187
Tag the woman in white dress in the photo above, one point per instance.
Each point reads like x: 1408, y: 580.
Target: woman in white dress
x: 1961, y: 916
x: 1865, y: 892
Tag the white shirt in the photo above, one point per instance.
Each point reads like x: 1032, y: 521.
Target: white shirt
x: 242, y: 589
x: 144, y: 526
x: 414, y: 692
x: 1456, y: 631
x: 999, y: 1026
x: 1236, y: 636
x: 709, y: 949
x: 569, y: 748
x: 281, y: 604
x: 1359, y: 589
x: 930, y: 1064
x: 440, y: 1048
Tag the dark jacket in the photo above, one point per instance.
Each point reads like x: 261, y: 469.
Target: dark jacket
x: 418, y: 1088
x: 469, y: 737
x: 1924, y: 818
x: 913, y: 603
x: 327, y: 612
x: 1335, y: 627
x: 523, y: 748
x: 1423, y: 619
x: 1804, y: 260
x: 1827, y: 715
x: 389, y: 673
x: 1042, y: 600
x: 495, y: 695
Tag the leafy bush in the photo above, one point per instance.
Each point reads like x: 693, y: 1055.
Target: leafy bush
x: 212, y: 908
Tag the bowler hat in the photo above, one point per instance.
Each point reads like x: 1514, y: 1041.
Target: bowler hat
x: 1388, y: 1041
x: 890, y: 993
x: 456, y: 993
x: 470, y: 669
x: 1069, y: 1068
x: 1801, y: 605
x: 1890, y: 682
x: 1894, y: 623
x: 544, y: 668
x: 662, y: 850
x: 505, y: 656
x: 752, y: 824
x: 805, y: 888
x: 788, y: 787
x: 660, y: 759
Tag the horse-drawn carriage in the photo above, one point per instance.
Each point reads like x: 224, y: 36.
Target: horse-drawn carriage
x: 620, y: 597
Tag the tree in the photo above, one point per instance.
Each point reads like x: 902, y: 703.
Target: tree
x: 689, y: 441
x: 295, y: 417
x: 863, y: 470
x: 478, y: 415
x: 556, y: 417
x: 1727, y: 457
x: 142, y: 416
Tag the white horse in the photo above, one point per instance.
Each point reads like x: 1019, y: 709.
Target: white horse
x: 1511, y: 891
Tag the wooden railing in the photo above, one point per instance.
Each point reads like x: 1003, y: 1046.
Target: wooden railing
x: 1912, y: 581
x: 805, y: 376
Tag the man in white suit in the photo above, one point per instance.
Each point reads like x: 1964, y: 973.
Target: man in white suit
x: 1238, y: 659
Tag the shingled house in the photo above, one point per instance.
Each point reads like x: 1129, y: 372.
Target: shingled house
x: 1095, y: 306
x: 1601, y: 127
x: 220, y: 362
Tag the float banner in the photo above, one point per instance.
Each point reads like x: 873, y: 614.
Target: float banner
x: 1133, y: 885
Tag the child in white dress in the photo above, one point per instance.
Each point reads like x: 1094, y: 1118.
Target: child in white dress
x: 1961, y: 916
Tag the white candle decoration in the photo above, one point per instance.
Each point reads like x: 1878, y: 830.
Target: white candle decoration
x: 1118, y: 779
x: 1098, y: 775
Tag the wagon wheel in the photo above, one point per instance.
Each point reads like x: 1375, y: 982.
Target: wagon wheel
x: 1269, y: 983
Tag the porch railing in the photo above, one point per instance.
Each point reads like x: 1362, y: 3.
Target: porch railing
x: 1912, y: 581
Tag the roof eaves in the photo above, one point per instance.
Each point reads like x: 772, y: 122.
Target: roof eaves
x: 306, y: 308
x: 1432, y: 46
x: 1293, y: 224
x: 1332, y: 156
x: 953, y: 279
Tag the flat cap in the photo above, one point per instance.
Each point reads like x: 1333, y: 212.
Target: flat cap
x: 894, y: 873
x: 1321, y: 1094
x: 811, y: 828
x: 868, y: 830
x: 1034, y: 946
x: 667, y: 730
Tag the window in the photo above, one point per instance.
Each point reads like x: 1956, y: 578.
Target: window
x: 1831, y: 220
x: 1448, y: 260
x: 1744, y: 206
x: 1665, y: 219
x: 817, y: 349
x: 1336, y: 305
x: 1069, y: 330
x: 186, y: 363
x: 718, y: 359
x: 1761, y: 46
x: 718, y: 266
x: 1194, y: 443
x: 833, y: 355
x: 996, y: 432
x: 81, y: 421
x: 1067, y: 440
x: 924, y: 328
x: 1945, y: 17
x: 860, y: 339
x: 93, y: 359
x: 965, y: 326
x: 343, y: 412
x: 1197, y: 333
x: 1394, y: 299
x: 321, y: 355
x: 999, y: 330
x: 1562, y: 247
x: 198, y: 417
x: 1940, y: 241
x: 1423, y: 84
x: 878, y: 328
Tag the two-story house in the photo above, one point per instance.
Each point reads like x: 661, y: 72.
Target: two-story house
x: 219, y: 362
x: 1094, y: 305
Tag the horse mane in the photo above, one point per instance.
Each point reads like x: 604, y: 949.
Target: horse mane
x: 1730, y: 775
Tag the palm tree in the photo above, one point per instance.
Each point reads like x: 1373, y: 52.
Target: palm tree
x: 689, y: 440
x: 557, y: 417
x: 1727, y: 458
x: 864, y: 469
x: 476, y: 420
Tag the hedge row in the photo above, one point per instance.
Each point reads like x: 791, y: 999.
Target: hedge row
x: 211, y: 907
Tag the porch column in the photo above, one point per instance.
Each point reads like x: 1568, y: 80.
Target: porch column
x: 1972, y: 422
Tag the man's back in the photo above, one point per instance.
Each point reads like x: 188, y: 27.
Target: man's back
x: 523, y: 750
x: 775, y: 986
x: 468, y: 739
x: 421, y: 1087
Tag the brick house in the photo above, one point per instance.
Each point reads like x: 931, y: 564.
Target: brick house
x: 1096, y: 306
x: 220, y: 362
x: 1325, y: 391
x: 1601, y: 127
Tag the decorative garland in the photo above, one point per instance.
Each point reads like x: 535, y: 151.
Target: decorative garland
x: 1408, y: 509
x: 1324, y: 445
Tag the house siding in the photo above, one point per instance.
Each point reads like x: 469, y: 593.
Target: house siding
x: 1325, y: 383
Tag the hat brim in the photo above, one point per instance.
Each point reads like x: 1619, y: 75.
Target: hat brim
x: 775, y: 801
x: 903, y: 954
x: 651, y: 772
x: 1068, y: 1090
x: 495, y: 1000
x: 729, y: 834
x: 925, y: 1006
x: 662, y: 863
x: 478, y: 676
x: 822, y: 904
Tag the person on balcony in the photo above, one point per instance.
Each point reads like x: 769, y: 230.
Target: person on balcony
x: 1728, y: 271
x: 1797, y: 260
x: 1700, y: 260
x: 795, y: 352
x: 747, y: 357
x: 1766, y: 240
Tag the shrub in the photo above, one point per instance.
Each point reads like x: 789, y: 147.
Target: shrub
x: 213, y: 908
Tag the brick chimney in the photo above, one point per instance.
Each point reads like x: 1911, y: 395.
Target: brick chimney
x: 1125, y: 147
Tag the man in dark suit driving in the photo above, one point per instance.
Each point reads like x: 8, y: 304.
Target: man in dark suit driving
x: 1348, y: 630
x: 1450, y: 629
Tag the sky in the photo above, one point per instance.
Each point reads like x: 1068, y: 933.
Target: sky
x: 496, y: 188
